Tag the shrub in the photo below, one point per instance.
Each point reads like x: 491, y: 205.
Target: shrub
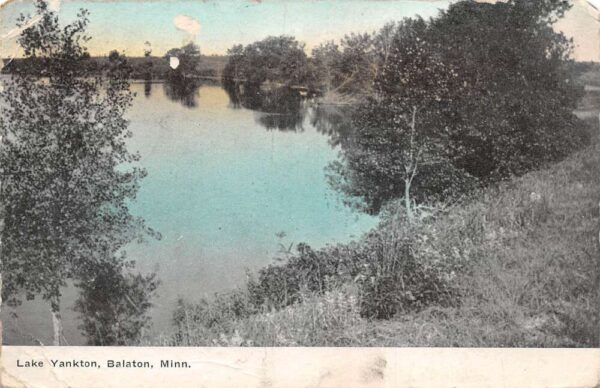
x: 280, y: 285
x: 192, y: 321
x: 403, y: 268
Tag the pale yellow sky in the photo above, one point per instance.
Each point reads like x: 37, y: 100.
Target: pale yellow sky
x: 582, y: 23
x: 216, y: 25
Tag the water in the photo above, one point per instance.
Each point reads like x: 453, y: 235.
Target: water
x: 226, y: 186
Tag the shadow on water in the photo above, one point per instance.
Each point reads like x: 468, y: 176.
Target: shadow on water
x: 182, y: 89
x: 279, y: 108
x: 148, y: 86
x: 332, y: 121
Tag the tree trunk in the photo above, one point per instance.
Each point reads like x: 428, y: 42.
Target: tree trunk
x: 56, y: 326
x: 407, y: 203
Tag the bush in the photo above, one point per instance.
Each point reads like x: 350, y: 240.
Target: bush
x: 308, y: 270
x: 404, y: 267
x: 193, y: 321
x: 331, y: 319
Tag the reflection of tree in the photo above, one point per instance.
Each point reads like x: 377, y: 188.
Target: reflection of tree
x: 233, y: 92
x: 148, y: 85
x: 111, y: 301
x: 280, y: 108
x: 182, y: 89
x: 281, y: 122
x: 333, y: 121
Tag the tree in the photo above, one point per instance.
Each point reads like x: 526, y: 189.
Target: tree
x: 276, y: 59
x: 327, y: 60
x: 189, y: 59
x: 482, y: 92
x: 234, y: 66
x: 513, y: 97
x: 66, y: 171
x: 357, y: 64
x: 398, y: 139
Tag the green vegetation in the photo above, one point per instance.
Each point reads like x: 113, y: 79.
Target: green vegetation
x: 478, y: 94
x: 273, y: 60
x: 67, y: 177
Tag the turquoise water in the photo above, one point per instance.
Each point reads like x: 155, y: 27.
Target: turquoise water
x: 221, y: 187
x: 226, y: 186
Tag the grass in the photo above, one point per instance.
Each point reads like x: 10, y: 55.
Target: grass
x: 537, y: 283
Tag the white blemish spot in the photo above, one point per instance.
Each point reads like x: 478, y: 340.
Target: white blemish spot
x: 173, y: 62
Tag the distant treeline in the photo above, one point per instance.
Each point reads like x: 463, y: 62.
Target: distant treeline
x: 152, y: 67
x: 586, y: 73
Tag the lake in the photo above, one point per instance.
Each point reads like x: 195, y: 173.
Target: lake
x: 233, y: 175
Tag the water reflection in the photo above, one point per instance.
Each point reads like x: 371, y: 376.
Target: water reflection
x: 182, y: 89
x: 333, y: 121
x: 148, y: 86
x: 280, y: 108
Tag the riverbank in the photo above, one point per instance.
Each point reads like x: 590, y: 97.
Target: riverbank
x: 516, y: 265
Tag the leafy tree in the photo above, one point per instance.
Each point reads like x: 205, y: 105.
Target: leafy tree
x: 278, y: 59
x: 327, y: 62
x: 357, y: 64
x: 513, y: 97
x: 398, y: 140
x: 189, y: 59
x: 66, y: 172
x: 235, y: 64
x: 491, y: 94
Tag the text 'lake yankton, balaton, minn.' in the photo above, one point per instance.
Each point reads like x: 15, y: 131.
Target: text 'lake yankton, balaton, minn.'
x: 117, y: 364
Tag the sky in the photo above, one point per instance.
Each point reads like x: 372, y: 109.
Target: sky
x: 219, y: 24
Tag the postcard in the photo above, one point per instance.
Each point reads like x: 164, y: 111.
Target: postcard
x: 300, y: 193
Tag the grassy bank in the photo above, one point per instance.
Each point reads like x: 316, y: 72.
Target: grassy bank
x: 514, y: 265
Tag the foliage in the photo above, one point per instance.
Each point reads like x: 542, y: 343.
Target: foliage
x: 357, y: 64
x: 326, y: 60
x: 114, y: 303
x: 189, y: 59
x: 403, y: 270
x: 197, y: 320
x: 398, y: 137
x: 511, y: 110
x: 480, y: 93
x: 66, y: 172
x: 307, y: 270
x: 328, y: 320
x: 279, y: 60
